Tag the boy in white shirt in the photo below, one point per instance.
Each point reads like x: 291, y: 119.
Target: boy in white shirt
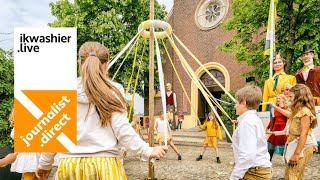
x: 252, y: 160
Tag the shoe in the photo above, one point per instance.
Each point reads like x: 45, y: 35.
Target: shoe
x: 179, y: 157
x: 199, y: 158
x: 143, y: 159
x: 218, y: 160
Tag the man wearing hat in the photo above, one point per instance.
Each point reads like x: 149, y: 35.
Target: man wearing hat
x: 309, y: 74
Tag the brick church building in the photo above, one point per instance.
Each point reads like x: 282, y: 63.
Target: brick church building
x: 197, y: 23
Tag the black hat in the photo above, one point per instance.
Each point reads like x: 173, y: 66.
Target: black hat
x: 307, y: 48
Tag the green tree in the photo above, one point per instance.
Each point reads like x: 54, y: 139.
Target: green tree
x: 297, y: 23
x: 6, y: 96
x: 229, y: 108
x: 111, y: 22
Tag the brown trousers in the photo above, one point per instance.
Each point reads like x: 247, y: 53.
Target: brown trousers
x: 258, y: 173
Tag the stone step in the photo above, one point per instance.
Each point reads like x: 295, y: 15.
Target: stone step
x: 191, y: 141
x: 194, y: 133
x: 191, y: 137
x: 185, y: 134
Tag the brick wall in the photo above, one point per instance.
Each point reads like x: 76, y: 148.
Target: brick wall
x: 203, y: 44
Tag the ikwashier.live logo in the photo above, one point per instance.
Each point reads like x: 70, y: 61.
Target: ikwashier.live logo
x: 45, y: 91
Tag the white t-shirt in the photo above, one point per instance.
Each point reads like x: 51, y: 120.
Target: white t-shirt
x: 161, y: 125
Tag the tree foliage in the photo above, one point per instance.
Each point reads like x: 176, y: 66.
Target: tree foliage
x: 298, y: 22
x: 229, y: 108
x: 6, y: 96
x: 111, y: 22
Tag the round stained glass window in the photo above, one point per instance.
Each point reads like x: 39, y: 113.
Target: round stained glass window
x: 209, y: 13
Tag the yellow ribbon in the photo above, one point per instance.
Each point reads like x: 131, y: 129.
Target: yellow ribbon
x: 136, y: 82
x: 184, y: 90
x: 206, y: 70
x: 195, y: 78
x: 133, y: 66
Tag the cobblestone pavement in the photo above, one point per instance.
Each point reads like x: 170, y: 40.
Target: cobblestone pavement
x: 170, y: 168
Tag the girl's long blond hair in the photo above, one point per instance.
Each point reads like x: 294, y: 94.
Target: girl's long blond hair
x: 303, y: 98
x: 215, y: 123
x: 285, y: 101
x: 107, y: 99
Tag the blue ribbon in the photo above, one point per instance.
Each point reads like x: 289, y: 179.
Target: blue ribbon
x: 275, y: 82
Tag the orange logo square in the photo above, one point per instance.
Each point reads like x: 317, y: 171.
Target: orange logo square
x: 53, y: 128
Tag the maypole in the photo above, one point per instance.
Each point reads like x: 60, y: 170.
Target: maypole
x: 272, y: 39
x: 151, y: 90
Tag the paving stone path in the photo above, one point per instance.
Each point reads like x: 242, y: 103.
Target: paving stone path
x: 170, y: 168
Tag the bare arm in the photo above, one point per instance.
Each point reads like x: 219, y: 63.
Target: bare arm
x: 279, y: 133
x: 10, y: 158
x: 285, y: 112
x: 305, y: 127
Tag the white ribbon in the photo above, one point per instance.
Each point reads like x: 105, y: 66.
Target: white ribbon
x: 162, y: 91
x: 122, y: 51
x: 124, y: 59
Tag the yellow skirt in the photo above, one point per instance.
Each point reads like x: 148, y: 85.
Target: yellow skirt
x: 102, y: 168
x: 211, y: 141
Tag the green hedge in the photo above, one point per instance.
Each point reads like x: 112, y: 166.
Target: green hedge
x: 6, y: 96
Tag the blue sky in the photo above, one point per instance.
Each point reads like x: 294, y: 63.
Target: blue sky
x: 30, y: 13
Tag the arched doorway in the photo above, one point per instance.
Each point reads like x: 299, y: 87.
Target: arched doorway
x: 214, y: 67
x: 213, y: 87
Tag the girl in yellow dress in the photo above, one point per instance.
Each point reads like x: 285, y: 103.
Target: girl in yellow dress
x: 212, y: 131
